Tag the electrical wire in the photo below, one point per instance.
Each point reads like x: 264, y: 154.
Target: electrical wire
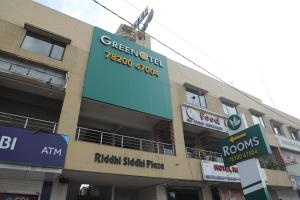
x: 199, y: 66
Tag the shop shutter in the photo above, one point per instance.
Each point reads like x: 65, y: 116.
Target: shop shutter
x: 21, y: 187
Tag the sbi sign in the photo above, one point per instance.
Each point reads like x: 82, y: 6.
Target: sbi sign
x: 7, y: 142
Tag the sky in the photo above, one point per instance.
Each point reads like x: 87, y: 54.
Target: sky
x: 252, y: 45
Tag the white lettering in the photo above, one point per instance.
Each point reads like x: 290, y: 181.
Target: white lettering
x: 13, y: 144
x: 51, y: 151
x: 256, y: 141
x: 225, y: 151
x: 133, y: 52
x: 57, y: 152
x: 232, y: 149
x: 127, y: 49
x: 114, y: 45
x: 248, y: 144
x: 44, y: 151
x: 7, y: 142
x: 105, y: 40
x: 240, y: 146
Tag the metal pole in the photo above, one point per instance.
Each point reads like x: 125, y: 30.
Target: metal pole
x: 26, y: 122
x: 54, y: 127
x: 122, y: 140
x: 78, y: 133
x: 141, y: 144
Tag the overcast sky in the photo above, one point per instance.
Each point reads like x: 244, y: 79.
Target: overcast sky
x: 253, y: 45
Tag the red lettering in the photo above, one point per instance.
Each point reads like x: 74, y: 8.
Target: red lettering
x: 235, y: 169
x: 210, y: 119
x: 226, y: 169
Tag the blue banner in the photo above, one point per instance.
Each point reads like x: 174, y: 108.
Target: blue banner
x: 23, y: 146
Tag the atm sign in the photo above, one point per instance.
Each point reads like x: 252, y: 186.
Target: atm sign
x: 244, y: 145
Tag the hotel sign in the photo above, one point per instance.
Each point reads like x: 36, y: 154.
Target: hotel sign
x: 216, y: 171
x: 244, y: 145
x: 125, y: 74
x: 288, y: 143
x: 204, y: 118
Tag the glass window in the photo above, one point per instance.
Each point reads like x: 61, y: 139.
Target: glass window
x: 43, y: 46
x: 229, y: 109
x: 57, y: 51
x: 276, y: 128
x: 257, y: 119
x: 202, y: 100
x: 294, y: 134
x: 195, y: 98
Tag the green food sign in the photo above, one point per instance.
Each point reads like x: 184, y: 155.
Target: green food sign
x: 125, y: 74
x: 244, y: 145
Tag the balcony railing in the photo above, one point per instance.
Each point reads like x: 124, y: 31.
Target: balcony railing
x: 271, y: 164
x: 122, y: 141
x: 203, y: 154
x: 27, y: 122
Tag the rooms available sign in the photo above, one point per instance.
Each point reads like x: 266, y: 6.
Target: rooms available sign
x: 246, y: 144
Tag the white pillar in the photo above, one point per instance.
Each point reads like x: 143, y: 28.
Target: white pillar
x: 59, y: 190
x: 206, y: 193
x: 113, y: 189
x: 161, y: 193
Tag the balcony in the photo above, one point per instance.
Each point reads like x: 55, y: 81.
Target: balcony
x: 203, y: 155
x: 29, y: 71
x: 267, y: 163
x: 271, y: 164
x: 27, y: 122
x: 123, y: 141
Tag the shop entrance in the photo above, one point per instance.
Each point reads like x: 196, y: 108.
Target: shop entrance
x: 99, y: 186
x: 183, y: 194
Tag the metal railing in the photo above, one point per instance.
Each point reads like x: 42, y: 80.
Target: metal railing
x: 29, y: 71
x: 203, y: 154
x: 27, y: 122
x: 271, y: 164
x: 123, y: 141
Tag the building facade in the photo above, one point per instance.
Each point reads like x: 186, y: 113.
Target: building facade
x: 87, y: 114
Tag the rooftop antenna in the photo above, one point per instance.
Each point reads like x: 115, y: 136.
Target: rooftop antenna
x: 140, y: 19
x: 138, y: 28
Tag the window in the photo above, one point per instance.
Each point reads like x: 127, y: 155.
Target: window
x: 294, y: 134
x: 276, y: 128
x: 257, y: 119
x: 43, y: 46
x: 229, y: 109
x: 195, y: 98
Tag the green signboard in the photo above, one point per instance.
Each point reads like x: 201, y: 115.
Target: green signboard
x: 125, y: 74
x: 246, y: 144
